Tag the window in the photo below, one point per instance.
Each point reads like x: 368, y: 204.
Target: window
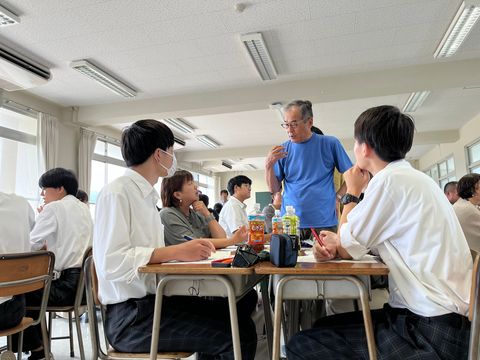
x: 443, y: 172
x: 107, y: 165
x: 206, y: 184
x: 19, y: 154
x: 473, y: 157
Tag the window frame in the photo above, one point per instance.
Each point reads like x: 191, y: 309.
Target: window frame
x: 449, y: 176
x: 471, y: 165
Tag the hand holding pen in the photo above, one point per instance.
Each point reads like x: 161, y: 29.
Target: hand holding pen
x: 320, y: 249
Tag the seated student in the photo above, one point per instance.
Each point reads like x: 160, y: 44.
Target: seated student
x: 64, y: 226
x: 269, y: 210
x: 82, y: 196
x: 450, y: 191
x: 16, y: 221
x: 218, y: 208
x: 407, y: 219
x: 204, y: 198
x: 128, y: 234
x: 466, y: 209
x: 234, y: 214
x: 184, y: 217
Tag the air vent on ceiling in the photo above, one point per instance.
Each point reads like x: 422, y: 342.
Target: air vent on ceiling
x: 226, y: 164
x: 18, y: 72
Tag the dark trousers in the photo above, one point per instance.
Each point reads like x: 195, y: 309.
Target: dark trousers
x: 306, y: 233
x: 190, y: 324
x: 12, y: 312
x: 62, y: 293
x: 399, y: 334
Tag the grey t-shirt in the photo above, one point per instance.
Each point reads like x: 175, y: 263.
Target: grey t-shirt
x: 177, y: 226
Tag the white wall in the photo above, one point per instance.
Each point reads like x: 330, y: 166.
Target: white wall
x: 258, y: 183
x: 468, y: 133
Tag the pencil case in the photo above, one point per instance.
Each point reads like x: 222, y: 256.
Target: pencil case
x: 283, y: 250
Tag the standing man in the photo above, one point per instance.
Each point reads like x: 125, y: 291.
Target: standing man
x: 406, y: 220
x: 234, y: 213
x: 450, y: 191
x: 306, y: 163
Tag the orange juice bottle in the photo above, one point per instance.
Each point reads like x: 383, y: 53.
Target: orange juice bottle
x: 256, y: 229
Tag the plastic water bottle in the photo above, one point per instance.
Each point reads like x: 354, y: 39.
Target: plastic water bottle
x: 277, y: 224
x: 256, y: 229
x: 290, y: 221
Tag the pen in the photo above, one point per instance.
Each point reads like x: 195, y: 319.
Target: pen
x: 322, y: 244
x: 187, y: 237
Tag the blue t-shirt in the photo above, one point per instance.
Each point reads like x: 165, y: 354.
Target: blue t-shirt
x: 307, y: 172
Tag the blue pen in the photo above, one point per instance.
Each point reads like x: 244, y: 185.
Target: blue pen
x: 187, y: 237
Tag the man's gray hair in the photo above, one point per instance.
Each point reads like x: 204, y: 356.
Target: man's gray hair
x: 305, y: 107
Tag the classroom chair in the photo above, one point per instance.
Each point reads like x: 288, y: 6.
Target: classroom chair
x: 22, y: 273
x: 91, y: 287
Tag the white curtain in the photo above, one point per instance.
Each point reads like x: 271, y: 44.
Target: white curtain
x: 47, y: 140
x: 86, y: 147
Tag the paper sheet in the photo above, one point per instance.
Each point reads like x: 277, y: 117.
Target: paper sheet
x: 309, y: 258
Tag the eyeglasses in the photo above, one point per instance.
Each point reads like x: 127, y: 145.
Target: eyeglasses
x: 294, y: 124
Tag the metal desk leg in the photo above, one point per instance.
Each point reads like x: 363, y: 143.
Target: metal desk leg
x: 277, y: 323
x: 267, y: 313
x: 232, y: 304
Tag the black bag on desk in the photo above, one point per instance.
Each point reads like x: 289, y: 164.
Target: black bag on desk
x: 283, y: 250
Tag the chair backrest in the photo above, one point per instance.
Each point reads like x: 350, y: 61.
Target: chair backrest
x: 25, y: 272
x: 474, y: 290
x: 81, y: 279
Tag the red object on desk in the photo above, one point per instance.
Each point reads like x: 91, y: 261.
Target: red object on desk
x: 222, y: 262
x: 322, y: 244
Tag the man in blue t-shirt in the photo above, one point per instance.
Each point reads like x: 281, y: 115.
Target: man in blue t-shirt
x: 305, y: 163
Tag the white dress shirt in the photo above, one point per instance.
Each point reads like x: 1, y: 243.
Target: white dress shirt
x: 65, y: 226
x: 233, y: 216
x: 16, y: 221
x: 406, y: 217
x: 127, y: 231
x: 469, y: 217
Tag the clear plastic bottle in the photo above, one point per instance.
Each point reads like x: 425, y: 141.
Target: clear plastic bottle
x: 256, y: 229
x: 290, y: 221
x: 277, y: 224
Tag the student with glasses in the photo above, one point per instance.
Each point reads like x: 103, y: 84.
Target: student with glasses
x: 305, y: 164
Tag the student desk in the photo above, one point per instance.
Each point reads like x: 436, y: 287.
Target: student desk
x: 332, y: 279
x: 201, y: 279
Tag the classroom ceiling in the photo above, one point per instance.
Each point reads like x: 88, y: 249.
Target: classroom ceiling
x: 186, y: 60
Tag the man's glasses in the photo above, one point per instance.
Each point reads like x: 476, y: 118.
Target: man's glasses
x: 293, y: 124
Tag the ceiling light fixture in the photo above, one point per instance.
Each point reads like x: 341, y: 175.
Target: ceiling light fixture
x: 7, y: 17
x: 205, y: 140
x: 179, y: 124
x: 415, y: 100
x: 250, y: 167
x: 259, y: 54
x: 103, y: 78
x: 463, y: 21
x: 178, y: 143
x: 226, y: 164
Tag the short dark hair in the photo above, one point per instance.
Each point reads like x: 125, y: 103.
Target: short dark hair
x: 82, y: 196
x: 58, y: 177
x: 448, y: 186
x: 316, y: 130
x: 172, y: 184
x: 467, y: 184
x: 142, y: 138
x: 218, y: 207
x: 305, y: 107
x: 238, y: 181
x: 204, y: 198
x: 386, y: 130
x: 224, y: 191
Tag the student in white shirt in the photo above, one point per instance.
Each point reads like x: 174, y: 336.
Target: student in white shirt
x: 64, y: 226
x: 16, y: 221
x: 128, y: 234
x: 234, y: 214
x: 405, y: 217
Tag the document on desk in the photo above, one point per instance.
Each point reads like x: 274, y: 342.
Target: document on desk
x: 219, y: 254
x: 309, y: 258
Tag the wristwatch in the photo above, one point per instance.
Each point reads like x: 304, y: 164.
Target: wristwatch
x: 348, y: 198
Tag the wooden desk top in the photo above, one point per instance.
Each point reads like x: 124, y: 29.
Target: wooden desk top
x: 324, y: 268
x: 194, y: 269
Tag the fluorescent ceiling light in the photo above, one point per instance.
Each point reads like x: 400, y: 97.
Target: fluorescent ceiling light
x: 259, y: 54
x: 463, y: 21
x: 415, y: 100
x: 7, y: 17
x: 250, y: 167
x: 179, y: 124
x: 205, y: 140
x: 103, y: 78
x: 178, y: 143
x: 226, y: 164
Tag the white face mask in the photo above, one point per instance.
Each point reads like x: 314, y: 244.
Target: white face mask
x: 173, y: 167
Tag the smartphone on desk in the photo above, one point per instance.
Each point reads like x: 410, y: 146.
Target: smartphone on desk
x: 222, y: 262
